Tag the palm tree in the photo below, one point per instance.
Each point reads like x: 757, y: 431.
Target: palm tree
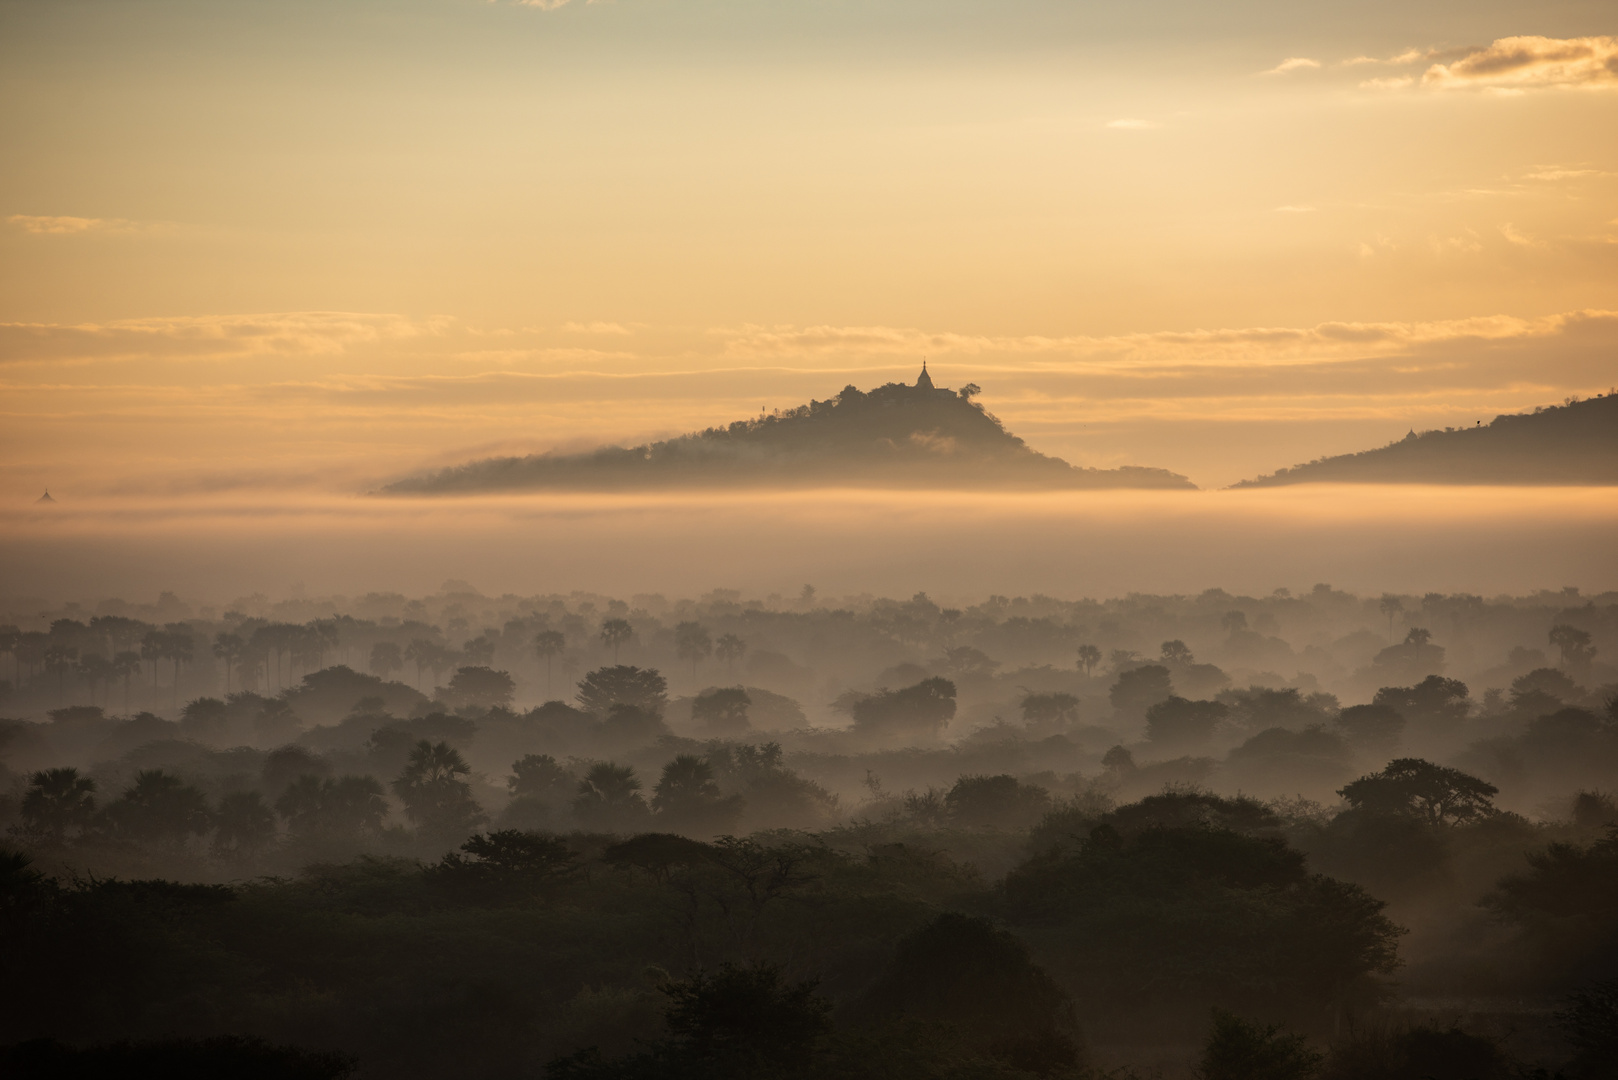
x: 94, y: 668
x: 691, y: 642
x: 614, y: 632
x: 1089, y: 657
x: 59, y: 658
x: 1391, y: 606
x: 548, y: 643
x: 229, y: 648
x: 124, y: 666
x: 386, y: 658
x: 151, y: 651
x: 730, y: 649
x: 178, y: 647
x: 422, y: 653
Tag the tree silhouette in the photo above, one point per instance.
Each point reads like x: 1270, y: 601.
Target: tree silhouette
x: 386, y: 658
x: 1138, y: 689
x: 692, y: 642
x: 547, y: 643
x: 159, y: 808
x: 125, y: 666
x: 328, y: 809
x: 229, y: 648
x: 434, y: 795
x: 422, y: 653
x: 1238, y: 1049
x: 722, y: 709
x: 1176, y: 652
x: 1233, y: 622
x: 1435, y: 794
x: 1392, y: 607
x: 59, y: 659
x: 614, y: 632
x: 243, y: 825
x: 730, y: 649
x: 1089, y: 657
x: 1179, y: 723
x: 689, y: 798
x: 58, y: 802
x: 923, y: 708
x: 1575, y: 647
x: 480, y: 687
x: 609, y: 798
x: 1051, y: 712
x: 643, y: 688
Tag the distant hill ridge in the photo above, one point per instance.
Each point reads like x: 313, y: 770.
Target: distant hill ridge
x: 1573, y: 443
x: 894, y: 436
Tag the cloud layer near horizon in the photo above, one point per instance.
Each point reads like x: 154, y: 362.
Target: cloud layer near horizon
x: 294, y: 397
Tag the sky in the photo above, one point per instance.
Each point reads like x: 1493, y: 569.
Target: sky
x: 318, y: 245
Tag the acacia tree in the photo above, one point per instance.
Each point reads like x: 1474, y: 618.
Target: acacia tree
x: 1176, y: 652
x: 1436, y: 794
x: 1575, y: 647
x: 548, y: 643
x: 614, y: 632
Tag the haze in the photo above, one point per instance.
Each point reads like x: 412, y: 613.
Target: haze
x: 809, y: 539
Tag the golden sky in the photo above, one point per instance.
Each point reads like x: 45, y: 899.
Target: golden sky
x: 318, y: 244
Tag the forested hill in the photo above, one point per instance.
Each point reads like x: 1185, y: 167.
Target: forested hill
x: 895, y: 436
x: 1576, y: 443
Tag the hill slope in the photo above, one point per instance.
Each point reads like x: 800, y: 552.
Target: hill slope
x: 1576, y: 443
x: 896, y: 436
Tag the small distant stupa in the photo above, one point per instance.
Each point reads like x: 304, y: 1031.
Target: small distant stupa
x: 45, y: 498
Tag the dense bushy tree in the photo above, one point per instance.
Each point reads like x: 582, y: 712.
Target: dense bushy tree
x: 1435, y: 702
x: 1138, y: 689
x: 344, y: 808
x: 479, y: 687
x: 159, y: 808
x: 1180, y: 724
x: 642, y: 688
x: 722, y: 710
x: 978, y: 980
x: 1164, y: 917
x: 922, y: 709
x: 1435, y: 794
x: 243, y: 825
x: 995, y: 801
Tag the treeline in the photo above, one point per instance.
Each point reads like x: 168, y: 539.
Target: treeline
x: 871, y: 949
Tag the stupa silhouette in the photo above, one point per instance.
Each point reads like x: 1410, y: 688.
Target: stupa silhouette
x: 45, y: 498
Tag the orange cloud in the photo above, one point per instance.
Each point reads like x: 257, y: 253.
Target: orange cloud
x: 1532, y: 63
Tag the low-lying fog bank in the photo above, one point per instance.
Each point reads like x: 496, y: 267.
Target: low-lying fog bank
x: 1403, y: 538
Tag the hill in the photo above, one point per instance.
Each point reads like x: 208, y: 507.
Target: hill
x: 1575, y: 443
x: 895, y: 436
